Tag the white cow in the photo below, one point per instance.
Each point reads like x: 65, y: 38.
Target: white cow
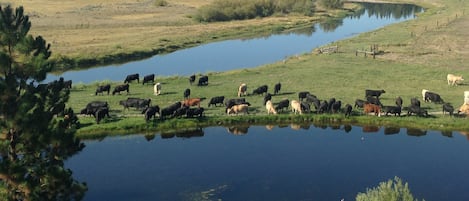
x: 454, y: 79
x: 424, y: 91
x: 157, y: 89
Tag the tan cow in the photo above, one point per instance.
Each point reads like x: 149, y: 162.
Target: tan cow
x: 454, y: 79
x: 242, y: 90
x: 296, y: 107
x: 270, y: 107
x: 464, y: 109
x: 423, y: 94
x: 236, y: 109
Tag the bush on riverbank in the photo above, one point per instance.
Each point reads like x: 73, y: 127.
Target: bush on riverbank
x: 391, y: 190
x: 226, y: 10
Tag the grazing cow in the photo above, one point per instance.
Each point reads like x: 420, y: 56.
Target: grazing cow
x: 192, y: 102
x: 169, y: 111
x: 374, y: 93
x: 374, y: 100
x: 447, y: 107
x: 323, y: 107
x: 267, y: 97
x: 151, y: 112
x: 369, y: 107
x: 68, y: 84
x: 414, y: 102
x: 148, y: 78
x: 242, y: 89
x: 396, y: 110
x: 180, y: 111
x: 101, y: 113
x: 119, y: 88
x: 93, y: 106
x: 269, y: 106
x: 454, y: 79
x: 433, y: 97
x: 191, y: 79
x: 348, y: 110
x: 135, y: 102
x: 282, y: 104
x: 277, y: 88
x: 216, y: 100
x: 464, y: 109
x: 399, y: 101
x: 331, y: 102
x: 335, y: 107
x: 360, y: 103
x: 102, y: 89
x: 237, y: 109
x: 296, y: 107
x: 132, y: 77
x: 193, y: 112
x: 187, y: 93
x: 203, y: 81
x: 424, y: 91
x: 310, y: 98
x: 302, y: 95
x: 157, y: 89
x: 260, y: 90
x: 235, y: 101
x: 305, y: 107
x: 416, y: 110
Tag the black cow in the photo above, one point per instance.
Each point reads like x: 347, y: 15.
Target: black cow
x: 448, y: 108
x: 102, y: 89
x: 192, y: 112
x: 374, y: 93
x: 187, y: 93
x: 68, y: 84
x: 310, y: 98
x: 135, y: 102
x: 93, y: 106
x: 336, y: 106
x: 169, y: 111
x: 267, y: 97
x: 277, y: 88
x: 235, y: 101
x: 416, y: 110
x: 302, y: 95
x: 203, y: 81
x: 191, y: 79
x: 151, y: 112
x: 101, y: 113
x: 348, y: 110
x: 132, y: 77
x: 305, y: 107
x: 119, y: 88
x: 282, y: 104
x: 323, y: 107
x: 399, y: 101
x: 373, y: 100
x: 148, y: 78
x: 415, y: 102
x: 396, y: 110
x: 331, y: 102
x: 216, y: 100
x: 360, y: 103
x: 433, y: 97
x: 180, y: 111
x: 260, y: 90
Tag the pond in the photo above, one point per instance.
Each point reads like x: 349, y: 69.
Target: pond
x: 274, y: 163
x: 248, y: 53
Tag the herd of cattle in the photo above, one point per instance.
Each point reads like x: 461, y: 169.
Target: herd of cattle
x: 306, y: 102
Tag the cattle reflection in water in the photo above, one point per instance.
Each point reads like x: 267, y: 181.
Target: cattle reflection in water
x: 370, y: 129
x: 299, y: 126
x: 198, y: 132
x: 416, y: 132
x: 391, y: 130
x: 238, y: 130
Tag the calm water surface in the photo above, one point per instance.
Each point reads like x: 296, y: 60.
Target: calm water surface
x: 278, y: 164
x: 236, y: 54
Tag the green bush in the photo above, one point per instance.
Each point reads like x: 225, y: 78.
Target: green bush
x: 391, y: 190
x: 332, y: 3
x: 226, y: 10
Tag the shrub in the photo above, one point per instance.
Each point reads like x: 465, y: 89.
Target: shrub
x: 391, y: 190
x: 332, y: 3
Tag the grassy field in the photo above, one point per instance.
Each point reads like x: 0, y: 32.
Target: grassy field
x: 416, y: 55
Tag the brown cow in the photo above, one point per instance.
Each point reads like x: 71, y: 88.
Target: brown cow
x: 192, y: 102
x: 368, y: 107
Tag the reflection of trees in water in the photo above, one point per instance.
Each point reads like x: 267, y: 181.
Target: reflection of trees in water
x: 330, y: 25
x: 381, y: 10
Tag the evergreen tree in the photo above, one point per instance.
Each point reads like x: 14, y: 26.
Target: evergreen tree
x: 37, y: 133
